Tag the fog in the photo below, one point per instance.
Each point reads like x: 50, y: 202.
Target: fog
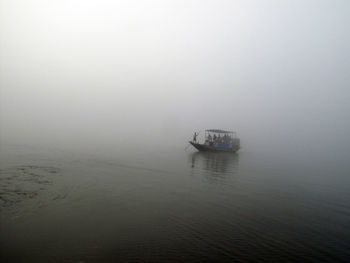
x: 117, y: 74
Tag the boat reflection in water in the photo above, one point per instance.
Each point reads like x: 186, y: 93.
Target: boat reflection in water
x: 215, y: 166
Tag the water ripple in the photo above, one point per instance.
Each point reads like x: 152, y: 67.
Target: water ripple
x: 24, y: 182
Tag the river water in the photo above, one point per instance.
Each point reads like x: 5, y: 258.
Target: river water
x: 171, y: 205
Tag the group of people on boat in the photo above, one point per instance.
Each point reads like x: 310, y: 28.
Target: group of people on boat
x: 226, y: 139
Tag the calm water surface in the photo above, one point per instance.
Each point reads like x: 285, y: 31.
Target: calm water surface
x: 172, y: 206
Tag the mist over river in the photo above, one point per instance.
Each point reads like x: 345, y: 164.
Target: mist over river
x: 171, y: 205
x: 99, y: 98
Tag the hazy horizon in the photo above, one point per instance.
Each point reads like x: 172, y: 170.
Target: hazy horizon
x: 119, y: 73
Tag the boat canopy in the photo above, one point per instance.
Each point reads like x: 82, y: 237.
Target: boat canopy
x: 219, y: 131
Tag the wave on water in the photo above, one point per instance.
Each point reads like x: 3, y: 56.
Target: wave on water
x: 24, y: 182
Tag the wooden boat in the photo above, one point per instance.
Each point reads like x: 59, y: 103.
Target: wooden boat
x: 217, y: 141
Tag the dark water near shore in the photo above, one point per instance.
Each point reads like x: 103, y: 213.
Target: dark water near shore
x: 172, y: 206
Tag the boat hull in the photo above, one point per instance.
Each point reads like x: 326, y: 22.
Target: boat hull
x: 208, y: 148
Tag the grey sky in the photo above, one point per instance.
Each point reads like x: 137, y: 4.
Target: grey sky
x: 86, y: 71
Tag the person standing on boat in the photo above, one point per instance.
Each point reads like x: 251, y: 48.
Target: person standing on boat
x: 195, y: 137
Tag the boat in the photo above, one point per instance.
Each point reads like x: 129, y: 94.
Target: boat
x: 217, y: 141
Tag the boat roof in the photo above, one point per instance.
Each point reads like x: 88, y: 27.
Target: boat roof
x: 219, y: 131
